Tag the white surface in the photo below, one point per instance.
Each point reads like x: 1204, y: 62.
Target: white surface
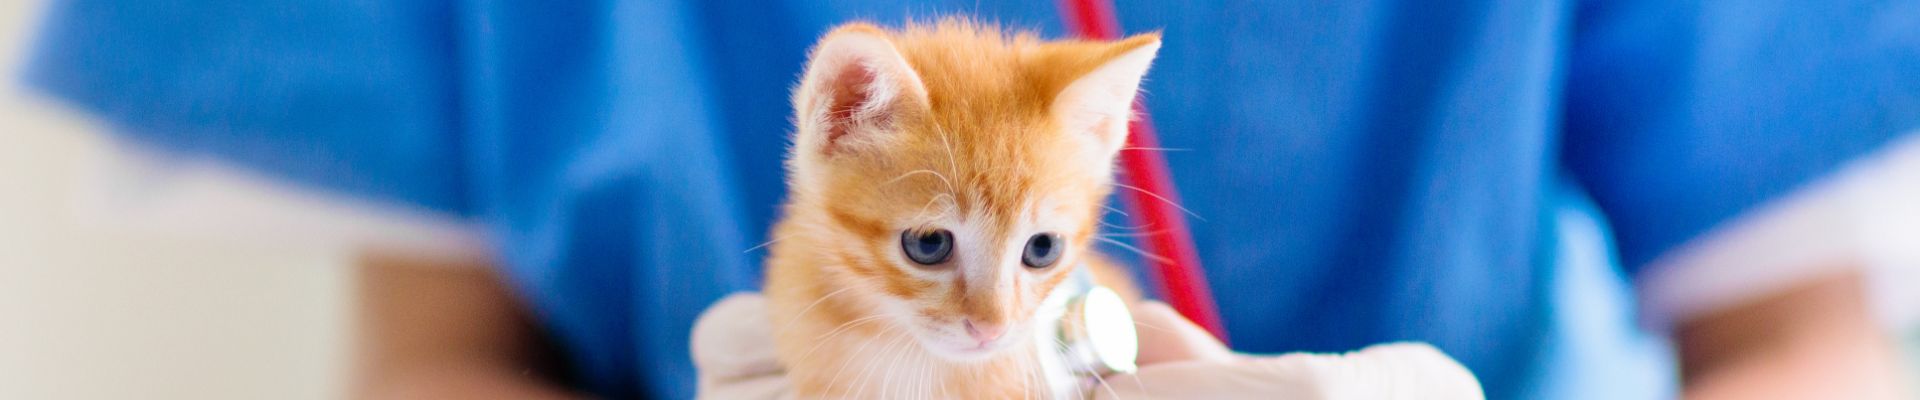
x: 140, y: 190
x: 91, y: 309
x: 1866, y: 216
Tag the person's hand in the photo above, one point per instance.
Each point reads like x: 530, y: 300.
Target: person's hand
x: 732, y: 347
x: 1179, y: 360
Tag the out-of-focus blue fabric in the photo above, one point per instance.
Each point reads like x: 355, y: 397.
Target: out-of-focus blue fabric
x: 1368, y: 171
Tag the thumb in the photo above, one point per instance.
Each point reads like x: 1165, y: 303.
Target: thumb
x: 1167, y: 337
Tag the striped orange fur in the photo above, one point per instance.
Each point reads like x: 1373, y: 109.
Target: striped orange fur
x: 991, y: 135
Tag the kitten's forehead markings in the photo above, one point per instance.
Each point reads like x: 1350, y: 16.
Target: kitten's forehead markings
x: 922, y: 218
x: 943, y: 178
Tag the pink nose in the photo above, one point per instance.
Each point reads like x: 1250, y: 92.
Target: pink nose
x: 984, y: 332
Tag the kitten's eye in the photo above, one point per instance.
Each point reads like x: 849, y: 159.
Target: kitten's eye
x: 1042, y: 251
x: 927, y: 248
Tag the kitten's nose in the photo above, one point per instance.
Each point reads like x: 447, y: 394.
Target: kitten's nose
x: 984, y: 332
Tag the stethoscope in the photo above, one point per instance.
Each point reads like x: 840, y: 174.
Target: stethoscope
x: 1152, y: 198
x: 1095, y: 333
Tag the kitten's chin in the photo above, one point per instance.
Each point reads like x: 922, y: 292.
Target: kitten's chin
x: 966, y: 353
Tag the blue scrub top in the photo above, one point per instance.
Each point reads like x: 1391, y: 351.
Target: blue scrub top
x: 1486, y: 176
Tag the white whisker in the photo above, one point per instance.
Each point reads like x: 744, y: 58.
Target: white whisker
x: 953, y: 168
x: 1135, y: 234
x: 1096, y: 377
x: 1124, y: 227
x: 922, y: 216
x: 943, y: 178
x: 888, y: 375
x: 1026, y: 381
x: 940, y: 379
x: 765, y: 244
x: 926, y: 381
x: 822, y: 340
x: 1155, y: 327
x: 919, y: 381
x: 1162, y: 199
x: 889, y: 364
x: 1135, y: 250
x: 816, y: 303
x: 1142, y: 384
x: 843, y: 366
x: 860, y: 384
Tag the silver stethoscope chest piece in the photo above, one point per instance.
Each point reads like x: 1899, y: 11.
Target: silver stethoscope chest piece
x: 1093, y: 335
x: 1097, y: 333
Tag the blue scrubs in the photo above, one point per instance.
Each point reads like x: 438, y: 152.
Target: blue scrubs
x: 1486, y: 175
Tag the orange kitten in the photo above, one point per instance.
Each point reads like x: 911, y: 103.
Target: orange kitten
x: 944, y: 179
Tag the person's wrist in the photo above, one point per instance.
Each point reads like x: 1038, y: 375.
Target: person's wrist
x: 1836, y: 367
x: 1816, y: 340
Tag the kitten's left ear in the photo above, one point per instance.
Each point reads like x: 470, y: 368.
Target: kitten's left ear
x: 1100, y: 102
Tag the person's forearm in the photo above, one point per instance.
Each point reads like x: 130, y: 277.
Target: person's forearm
x: 1816, y: 340
x: 446, y: 329
x: 462, y: 382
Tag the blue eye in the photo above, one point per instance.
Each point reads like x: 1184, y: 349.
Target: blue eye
x: 1042, y: 251
x: 927, y: 248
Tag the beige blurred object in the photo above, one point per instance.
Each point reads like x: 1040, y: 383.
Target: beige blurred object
x: 732, y: 347
x: 1392, y: 371
x: 93, y: 310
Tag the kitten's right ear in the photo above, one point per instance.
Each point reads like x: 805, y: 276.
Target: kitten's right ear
x: 856, y: 85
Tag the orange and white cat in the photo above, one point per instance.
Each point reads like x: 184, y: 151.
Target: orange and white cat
x: 944, y: 179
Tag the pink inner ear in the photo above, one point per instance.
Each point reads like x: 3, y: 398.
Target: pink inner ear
x: 852, y: 91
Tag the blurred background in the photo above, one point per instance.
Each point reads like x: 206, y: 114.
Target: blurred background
x: 104, y: 295
x: 104, y: 302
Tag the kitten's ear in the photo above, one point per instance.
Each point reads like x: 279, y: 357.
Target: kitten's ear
x: 856, y: 83
x: 1100, y: 102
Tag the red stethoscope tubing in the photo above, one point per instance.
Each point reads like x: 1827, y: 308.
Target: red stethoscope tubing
x: 1153, y: 199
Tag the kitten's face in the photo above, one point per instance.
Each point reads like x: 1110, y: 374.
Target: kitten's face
x: 961, y: 253
x: 961, y: 172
